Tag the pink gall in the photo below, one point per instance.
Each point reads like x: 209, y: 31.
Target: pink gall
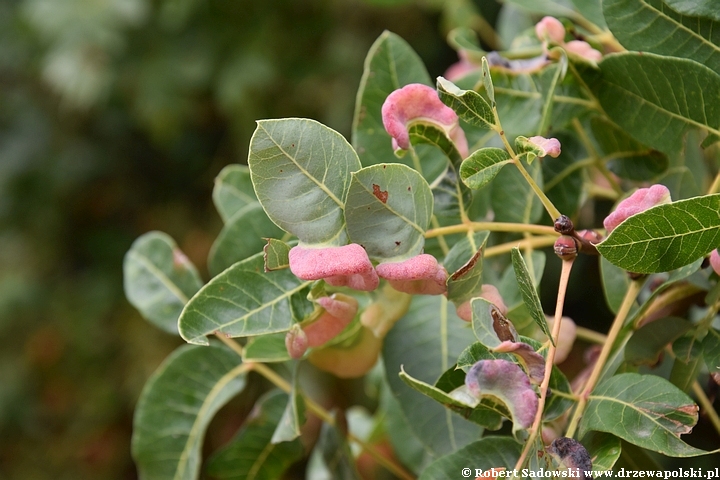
x: 420, y: 103
x: 346, y: 266
x: 489, y: 293
x: 641, y: 200
x: 339, y: 311
x: 419, y: 275
x: 715, y: 261
x: 296, y: 342
x: 583, y: 49
x: 549, y: 146
x: 550, y: 28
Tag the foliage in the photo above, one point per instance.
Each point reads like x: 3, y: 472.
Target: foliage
x: 417, y: 244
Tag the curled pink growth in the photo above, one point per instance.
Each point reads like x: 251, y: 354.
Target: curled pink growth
x: 417, y: 102
x: 550, y: 28
x: 506, y: 381
x: 489, y: 293
x: 419, y: 275
x: 339, y: 311
x: 533, y: 362
x: 583, y: 49
x: 639, y: 201
x: 348, y: 265
x: 296, y: 342
x: 549, y: 146
x: 715, y: 261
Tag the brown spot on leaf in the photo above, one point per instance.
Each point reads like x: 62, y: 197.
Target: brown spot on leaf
x: 502, y: 326
x: 409, y: 189
x: 468, y: 266
x: 397, y: 243
x: 380, y: 194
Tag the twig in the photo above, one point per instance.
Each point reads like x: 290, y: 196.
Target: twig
x: 537, y: 424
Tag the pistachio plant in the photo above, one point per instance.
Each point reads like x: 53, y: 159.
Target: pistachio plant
x: 410, y: 258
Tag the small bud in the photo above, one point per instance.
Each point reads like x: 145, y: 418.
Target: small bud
x: 550, y: 28
x: 566, y: 247
x: 583, y: 49
x: 641, y: 200
x: 296, y: 342
x: 715, y: 261
x: 549, y: 146
x: 564, y: 225
x: 417, y: 102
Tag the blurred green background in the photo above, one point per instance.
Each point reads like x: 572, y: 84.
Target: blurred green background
x: 115, y: 117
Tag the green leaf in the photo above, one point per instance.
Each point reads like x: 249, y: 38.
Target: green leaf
x: 333, y: 453
x: 711, y: 352
x: 176, y: 406
x: 645, y: 410
x: 510, y: 290
x: 666, y: 97
x: 484, y: 454
x: 450, y: 195
x: 529, y: 294
x: 251, y: 454
x: 276, y: 254
x: 426, y: 342
x: 483, y: 165
x: 406, y: 446
x: 696, y: 8
x: 557, y: 405
x: 293, y: 417
x: 233, y: 190
x: 390, y: 64
x: 159, y: 279
x: 486, y: 321
x: 389, y: 207
x: 563, y: 179
x: 604, y: 449
x: 665, y: 237
x: 646, y: 344
x: 468, y: 104
x: 688, y: 360
x: 245, y: 301
x: 650, y: 26
x: 616, y: 282
x: 465, y: 280
x: 675, y: 276
x: 555, y: 8
x: 512, y: 198
x: 301, y: 173
x: 626, y: 157
x: 487, y: 81
x: 591, y: 10
x: 266, y: 349
x: 242, y: 236
x: 486, y: 413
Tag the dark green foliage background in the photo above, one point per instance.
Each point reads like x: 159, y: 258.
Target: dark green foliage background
x: 169, y: 94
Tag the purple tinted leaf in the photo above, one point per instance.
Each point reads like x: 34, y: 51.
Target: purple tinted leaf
x: 506, y: 381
